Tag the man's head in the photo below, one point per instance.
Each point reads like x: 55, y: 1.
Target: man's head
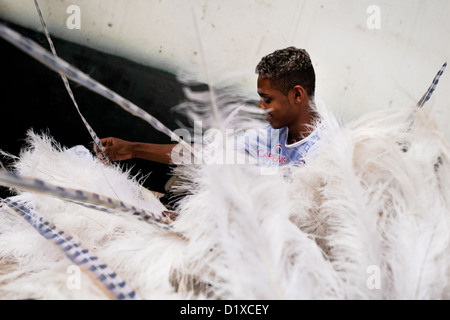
x: 286, y: 85
x: 287, y: 68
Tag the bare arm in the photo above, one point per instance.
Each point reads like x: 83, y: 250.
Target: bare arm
x: 118, y: 149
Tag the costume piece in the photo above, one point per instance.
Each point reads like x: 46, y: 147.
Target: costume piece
x: 361, y: 220
x: 432, y: 87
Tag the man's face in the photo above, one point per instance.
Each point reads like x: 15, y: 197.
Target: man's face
x: 282, y: 112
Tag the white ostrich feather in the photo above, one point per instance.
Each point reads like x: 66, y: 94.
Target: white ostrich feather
x: 310, y: 232
x: 94, y: 229
x: 257, y: 252
x: 367, y: 217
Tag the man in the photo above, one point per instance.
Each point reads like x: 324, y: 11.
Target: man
x: 286, y: 86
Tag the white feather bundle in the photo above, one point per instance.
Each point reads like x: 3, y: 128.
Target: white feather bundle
x: 235, y: 113
x: 255, y: 251
x: 35, y: 258
x: 361, y: 220
x: 378, y: 209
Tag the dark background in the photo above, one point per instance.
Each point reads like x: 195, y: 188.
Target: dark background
x: 34, y: 97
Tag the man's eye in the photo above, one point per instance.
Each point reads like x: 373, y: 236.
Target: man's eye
x: 267, y: 100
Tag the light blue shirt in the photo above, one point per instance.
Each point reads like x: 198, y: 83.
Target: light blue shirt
x: 269, y: 146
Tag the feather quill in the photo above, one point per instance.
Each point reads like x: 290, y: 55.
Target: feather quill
x: 310, y: 232
x: 80, y: 196
x: 114, y: 285
x: 91, y: 131
x: 57, y: 64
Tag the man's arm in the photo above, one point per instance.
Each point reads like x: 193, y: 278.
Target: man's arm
x: 118, y: 149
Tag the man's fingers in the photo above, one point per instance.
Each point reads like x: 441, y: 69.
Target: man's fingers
x: 110, y: 150
x: 101, y: 151
x: 106, y: 142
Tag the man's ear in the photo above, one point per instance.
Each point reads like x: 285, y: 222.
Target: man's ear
x: 299, y: 93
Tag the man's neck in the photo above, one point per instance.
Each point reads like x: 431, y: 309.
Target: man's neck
x: 299, y: 133
x: 303, y: 128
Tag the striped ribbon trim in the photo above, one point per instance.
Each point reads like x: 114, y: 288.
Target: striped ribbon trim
x: 433, y: 86
x: 59, y: 65
x: 88, y: 199
x: 94, y: 136
x: 76, y: 253
x: 92, y: 133
x: 405, y: 144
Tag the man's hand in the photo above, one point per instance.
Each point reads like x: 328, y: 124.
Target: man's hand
x: 116, y: 149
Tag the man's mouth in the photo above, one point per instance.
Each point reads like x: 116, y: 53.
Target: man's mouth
x: 268, y: 115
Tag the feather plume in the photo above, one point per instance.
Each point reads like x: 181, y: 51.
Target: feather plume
x: 113, y: 284
x: 22, y: 261
x: 365, y: 218
x: 309, y: 232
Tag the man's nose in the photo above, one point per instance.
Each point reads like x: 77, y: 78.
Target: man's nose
x: 261, y: 105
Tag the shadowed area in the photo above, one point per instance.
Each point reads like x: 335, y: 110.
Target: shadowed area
x: 34, y: 97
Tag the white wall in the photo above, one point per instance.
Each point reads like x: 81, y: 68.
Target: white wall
x: 358, y: 68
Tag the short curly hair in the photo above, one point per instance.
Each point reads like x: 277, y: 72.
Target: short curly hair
x: 287, y: 68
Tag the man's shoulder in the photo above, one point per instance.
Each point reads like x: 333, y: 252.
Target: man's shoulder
x: 269, y: 132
